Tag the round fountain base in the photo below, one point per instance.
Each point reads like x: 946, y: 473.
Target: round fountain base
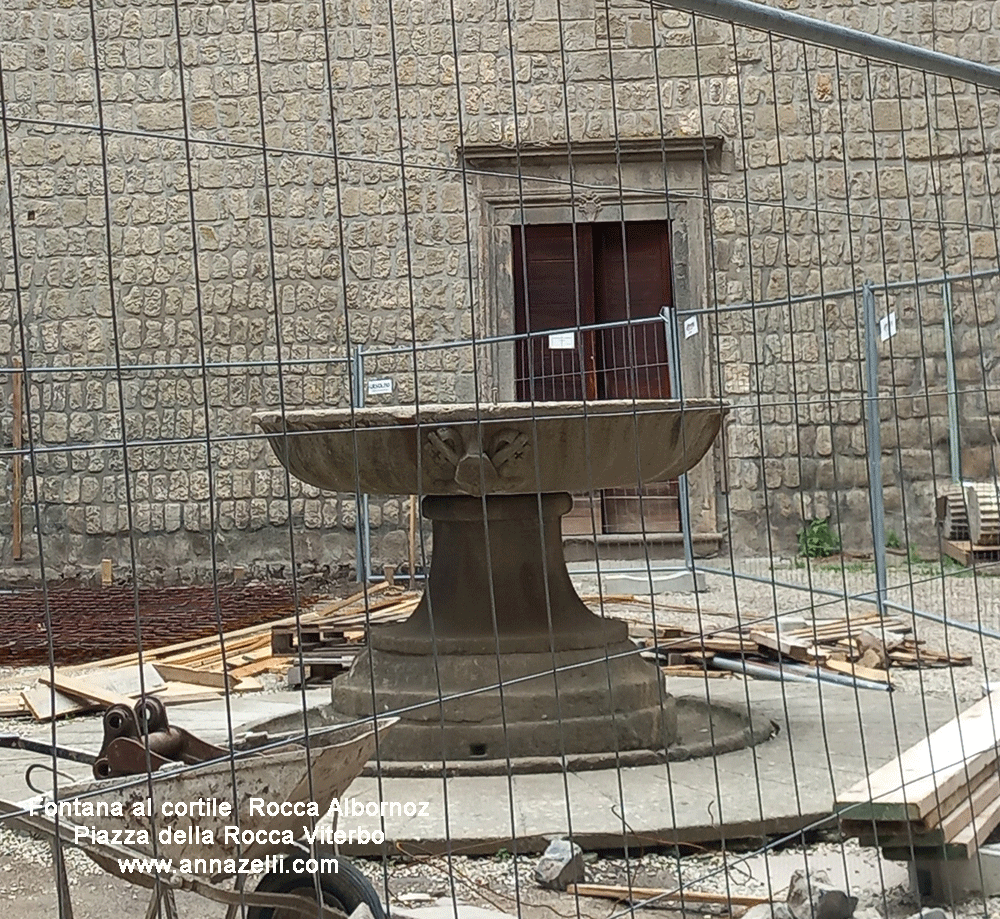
x: 518, y: 704
x: 703, y: 729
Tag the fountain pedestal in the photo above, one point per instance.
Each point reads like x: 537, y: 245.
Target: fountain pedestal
x: 501, y: 658
x: 500, y: 615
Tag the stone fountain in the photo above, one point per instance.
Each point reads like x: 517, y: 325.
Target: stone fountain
x: 499, y: 613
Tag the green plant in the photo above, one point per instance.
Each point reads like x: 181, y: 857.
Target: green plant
x: 817, y: 540
x: 892, y: 540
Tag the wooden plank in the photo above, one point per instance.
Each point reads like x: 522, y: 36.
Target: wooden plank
x: 211, y: 678
x: 267, y: 665
x: 953, y: 802
x: 972, y: 802
x: 12, y: 704
x: 184, y: 693
x: 39, y: 703
x: 615, y: 892
x: 122, y: 684
x: 910, y: 786
x: 856, y: 670
x: 671, y: 670
x: 966, y: 553
x: 963, y: 846
x: 198, y: 644
x: 88, y: 690
x: 797, y: 651
x: 333, y: 606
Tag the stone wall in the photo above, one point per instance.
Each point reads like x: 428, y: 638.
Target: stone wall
x: 160, y: 282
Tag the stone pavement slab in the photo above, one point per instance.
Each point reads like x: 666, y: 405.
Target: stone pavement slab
x: 828, y: 737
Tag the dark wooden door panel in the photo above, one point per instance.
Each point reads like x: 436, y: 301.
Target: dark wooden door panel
x: 632, y: 359
x: 570, y: 276
x: 554, y: 289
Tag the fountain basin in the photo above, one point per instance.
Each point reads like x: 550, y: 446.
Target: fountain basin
x: 504, y: 448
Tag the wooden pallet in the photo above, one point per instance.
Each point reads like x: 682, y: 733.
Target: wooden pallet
x: 968, y: 554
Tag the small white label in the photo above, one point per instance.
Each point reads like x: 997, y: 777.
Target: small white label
x: 887, y: 326
x: 380, y: 387
x: 562, y: 341
x: 690, y: 326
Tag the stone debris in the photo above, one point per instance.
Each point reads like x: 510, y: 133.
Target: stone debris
x: 812, y: 896
x: 560, y: 865
x: 931, y: 913
x: 769, y: 911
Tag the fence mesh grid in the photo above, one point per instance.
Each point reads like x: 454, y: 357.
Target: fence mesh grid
x: 352, y: 312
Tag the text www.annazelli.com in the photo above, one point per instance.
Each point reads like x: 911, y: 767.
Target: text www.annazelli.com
x: 271, y: 864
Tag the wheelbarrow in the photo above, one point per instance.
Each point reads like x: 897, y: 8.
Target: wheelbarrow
x: 218, y: 845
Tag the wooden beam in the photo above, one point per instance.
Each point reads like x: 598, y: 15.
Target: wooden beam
x: 85, y: 689
x: 615, y: 892
x: 214, y: 679
x: 856, y: 670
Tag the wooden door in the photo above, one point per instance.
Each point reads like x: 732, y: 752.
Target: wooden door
x: 554, y: 289
x: 632, y: 271
x: 569, y: 276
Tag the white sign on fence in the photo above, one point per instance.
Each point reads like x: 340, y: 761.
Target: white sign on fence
x: 380, y: 387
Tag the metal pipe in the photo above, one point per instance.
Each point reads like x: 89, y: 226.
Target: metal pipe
x: 669, y: 317
x: 873, y: 425
x: 357, y: 398
x: 949, y: 362
x: 839, y: 679
x: 795, y: 673
x: 763, y: 671
x: 814, y: 31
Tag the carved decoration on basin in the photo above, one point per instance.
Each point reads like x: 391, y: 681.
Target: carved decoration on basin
x: 455, y: 456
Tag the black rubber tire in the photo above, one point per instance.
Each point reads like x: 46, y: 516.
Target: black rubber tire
x: 346, y: 890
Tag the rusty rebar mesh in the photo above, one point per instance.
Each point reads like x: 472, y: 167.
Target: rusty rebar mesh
x: 90, y: 623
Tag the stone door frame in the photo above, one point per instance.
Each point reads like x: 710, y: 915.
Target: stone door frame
x: 610, y: 182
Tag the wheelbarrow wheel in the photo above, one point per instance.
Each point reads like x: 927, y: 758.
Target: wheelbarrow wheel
x: 345, y: 890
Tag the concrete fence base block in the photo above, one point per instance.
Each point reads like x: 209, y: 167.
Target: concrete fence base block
x: 952, y: 881
x: 679, y: 581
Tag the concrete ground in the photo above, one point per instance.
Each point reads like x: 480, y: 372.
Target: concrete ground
x: 829, y: 737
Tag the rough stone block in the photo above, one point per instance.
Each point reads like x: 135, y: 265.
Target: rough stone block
x: 561, y: 864
x: 812, y: 896
x: 769, y: 911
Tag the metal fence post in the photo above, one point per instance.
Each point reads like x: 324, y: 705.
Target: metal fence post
x: 954, y: 452
x: 874, y: 432
x: 362, y: 538
x: 669, y: 316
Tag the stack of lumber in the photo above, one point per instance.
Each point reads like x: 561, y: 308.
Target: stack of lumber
x: 952, y: 514
x: 982, y: 501
x: 325, y: 641
x: 207, y: 668
x: 864, y: 646
x: 940, y: 799
x: 683, y: 652
x: 968, y: 515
